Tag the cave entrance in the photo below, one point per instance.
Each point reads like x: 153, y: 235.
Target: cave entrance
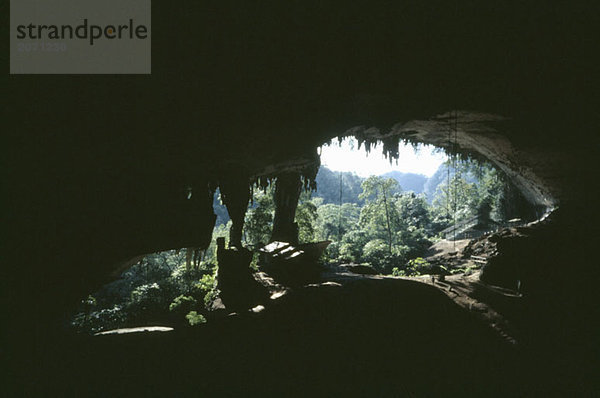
x: 399, y: 211
x: 386, y: 209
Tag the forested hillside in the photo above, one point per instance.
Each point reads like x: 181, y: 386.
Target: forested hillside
x: 328, y: 186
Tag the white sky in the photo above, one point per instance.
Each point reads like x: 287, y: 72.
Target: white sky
x: 347, y: 157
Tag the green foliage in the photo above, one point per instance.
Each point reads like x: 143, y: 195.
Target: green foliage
x: 375, y: 250
x: 258, y: 223
x: 157, y: 289
x: 413, y: 210
x: 306, y: 215
x: 209, y: 297
x: 459, y: 198
x: 417, y: 266
x: 208, y: 288
x: 254, y: 262
x: 207, y: 282
x: 415, y: 239
x: 380, y: 214
x: 147, y: 294
x: 334, y: 221
x: 474, y: 189
x: 376, y: 253
x: 182, y: 303
x: 353, y: 242
x: 377, y: 224
x: 106, y: 318
x: 392, y: 227
x: 195, y: 319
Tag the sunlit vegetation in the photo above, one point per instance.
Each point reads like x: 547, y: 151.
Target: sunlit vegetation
x: 157, y: 290
x: 371, y: 221
x: 379, y: 224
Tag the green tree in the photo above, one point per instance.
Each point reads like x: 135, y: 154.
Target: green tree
x: 306, y: 216
x: 379, y: 213
x: 414, y: 210
x: 333, y: 221
x: 475, y: 188
x: 490, y: 194
x: 458, y: 198
x: 259, y: 218
x: 353, y: 242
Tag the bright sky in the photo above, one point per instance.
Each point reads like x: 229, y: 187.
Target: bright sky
x: 347, y: 157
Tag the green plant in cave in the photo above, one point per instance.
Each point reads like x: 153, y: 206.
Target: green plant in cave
x: 254, y: 262
x: 182, y: 303
x: 158, y: 289
x: 96, y: 321
x: 195, y: 319
x: 207, y: 286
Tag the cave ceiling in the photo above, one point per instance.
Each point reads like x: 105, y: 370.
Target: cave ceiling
x: 252, y: 88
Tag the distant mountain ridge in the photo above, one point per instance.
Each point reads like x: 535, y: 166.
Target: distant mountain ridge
x: 408, y: 181
x: 328, y: 184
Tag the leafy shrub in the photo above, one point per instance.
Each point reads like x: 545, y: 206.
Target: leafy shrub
x: 417, y: 266
x: 182, y: 303
x: 97, y: 321
x: 352, y: 245
x: 377, y: 253
x: 333, y: 250
x: 208, y: 286
x: 195, y: 319
x: 375, y: 250
x: 207, y: 282
x: 146, y: 294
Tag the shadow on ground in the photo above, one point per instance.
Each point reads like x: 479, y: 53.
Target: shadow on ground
x: 366, y: 336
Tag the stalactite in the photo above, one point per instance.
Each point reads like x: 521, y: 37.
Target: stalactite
x: 390, y: 148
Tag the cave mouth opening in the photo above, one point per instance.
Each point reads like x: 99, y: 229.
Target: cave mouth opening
x: 396, y: 213
x: 391, y: 206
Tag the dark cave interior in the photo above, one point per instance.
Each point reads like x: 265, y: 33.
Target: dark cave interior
x: 96, y: 169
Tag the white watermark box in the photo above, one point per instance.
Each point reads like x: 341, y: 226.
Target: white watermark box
x: 80, y: 37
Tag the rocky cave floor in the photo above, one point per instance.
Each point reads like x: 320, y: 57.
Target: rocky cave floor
x: 357, y: 335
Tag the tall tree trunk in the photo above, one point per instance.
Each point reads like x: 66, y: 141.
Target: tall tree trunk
x: 387, y: 217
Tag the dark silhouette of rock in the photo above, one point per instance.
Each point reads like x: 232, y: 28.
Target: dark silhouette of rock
x: 239, y: 291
